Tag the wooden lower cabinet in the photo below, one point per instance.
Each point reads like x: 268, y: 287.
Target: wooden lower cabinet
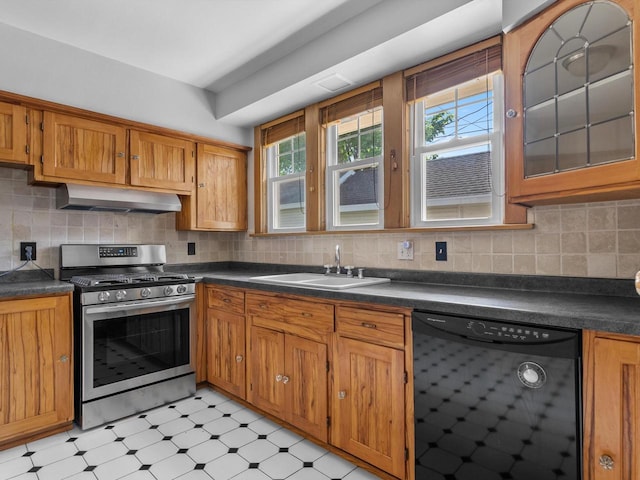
x: 36, y: 368
x: 226, y: 351
x: 611, y: 407
x: 368, y: 406
x: 288, y: 378
x: 225, y: 339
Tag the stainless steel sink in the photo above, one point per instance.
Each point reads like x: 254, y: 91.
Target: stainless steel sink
x: 319, y: 280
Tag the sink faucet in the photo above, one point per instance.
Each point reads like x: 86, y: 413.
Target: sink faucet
x: 338, y: 259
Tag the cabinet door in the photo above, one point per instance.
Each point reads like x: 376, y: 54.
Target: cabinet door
x: 266, y: 370
x: 80, y: 149
x: 578, y: 156
x: 615, y: 414
x: 221, y: 196
x: 225, y: 342
x: 36, y: 385
x: 305, y: 385
x: 13, y: 133
x: 368, y: 414
x: 161, y: 162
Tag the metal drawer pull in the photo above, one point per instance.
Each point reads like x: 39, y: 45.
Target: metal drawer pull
x: 342, y: 395
x: 120, y: 155
x: 369, y: 325
x: 606, y: 462
x: 285, y: 379
x: 305, y: 314
x: 239, y: 358
x: 226, y: 300
x: 263, y: 305
x: 278, y: 378
x: 64, y: 358
x: 135, y: 157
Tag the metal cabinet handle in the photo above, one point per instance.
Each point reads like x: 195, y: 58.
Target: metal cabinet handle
x: 201, y: 185
x: 263, y: 305
x: 369, y: 325
x: 135, y: 157
x: 306, y: 314
x: 278, y: 378
x: 285, y: 379
x: 226, y: 300
x: 606, y: 462
x: 239, y: 358
x: 64, y: 358
x: 120, y: 154
x: 342, y: 395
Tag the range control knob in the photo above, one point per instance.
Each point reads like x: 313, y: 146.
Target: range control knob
x: 168, y: 290
x: 104, y: 296
x: 145, y: 292
x: 181, y: 288
x: 121, y: 295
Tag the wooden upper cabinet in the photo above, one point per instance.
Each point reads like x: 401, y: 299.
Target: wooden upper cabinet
x: 161, y: 162
x: 571, y: 101
x: 221, y: 195
x: 80, y: 149
x: 13, y: 133
x: 220, y: 199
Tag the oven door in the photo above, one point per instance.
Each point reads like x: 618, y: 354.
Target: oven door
x: 132, y: 344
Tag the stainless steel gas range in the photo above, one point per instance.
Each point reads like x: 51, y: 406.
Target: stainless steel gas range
x: 134, y: 330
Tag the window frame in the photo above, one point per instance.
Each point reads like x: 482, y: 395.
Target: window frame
x: 333, y: 169
x: 274, y: 182
x: 495, y: 140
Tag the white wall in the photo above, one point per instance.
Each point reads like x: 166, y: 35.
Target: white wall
x: 50, y: 70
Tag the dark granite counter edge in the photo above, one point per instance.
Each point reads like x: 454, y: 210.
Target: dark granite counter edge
x: 539, y: 307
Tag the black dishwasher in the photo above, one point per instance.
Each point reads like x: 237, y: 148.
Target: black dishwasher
x: 496, y: 400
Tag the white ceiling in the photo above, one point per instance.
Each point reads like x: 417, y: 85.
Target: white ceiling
x: 261, y: 58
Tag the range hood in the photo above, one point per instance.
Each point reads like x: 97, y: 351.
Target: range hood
x: 106, y: 199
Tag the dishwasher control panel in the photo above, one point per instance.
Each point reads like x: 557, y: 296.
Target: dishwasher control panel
x: 493, y: 330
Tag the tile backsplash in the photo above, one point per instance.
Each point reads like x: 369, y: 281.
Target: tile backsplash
x: 583, y: 240
x: 29, y: 214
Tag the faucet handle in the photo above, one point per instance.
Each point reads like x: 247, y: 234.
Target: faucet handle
x: 361, y: 273
x: 349, y: 269
x: 327, y: 269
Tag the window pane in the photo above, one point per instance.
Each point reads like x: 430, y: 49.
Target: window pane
x: 292, y: 155
x: 611, y: 141
x: 457, y: 184
x: 357, y: 196
x: 289, y: 211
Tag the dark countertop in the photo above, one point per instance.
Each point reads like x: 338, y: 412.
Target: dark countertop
x: 31, y: 282
x: 589, y: 310
x: 597, y: 304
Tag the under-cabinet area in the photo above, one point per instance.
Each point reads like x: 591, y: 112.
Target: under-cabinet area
x: 337, y: 371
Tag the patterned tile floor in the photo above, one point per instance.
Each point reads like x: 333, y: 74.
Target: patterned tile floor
x: 204, y: 437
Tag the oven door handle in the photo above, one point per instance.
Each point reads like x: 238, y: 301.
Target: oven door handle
x: 163, y: 302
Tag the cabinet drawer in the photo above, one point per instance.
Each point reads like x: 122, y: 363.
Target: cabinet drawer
x: 299, y: 317
x: 231, y: 301
x: 373, y: 326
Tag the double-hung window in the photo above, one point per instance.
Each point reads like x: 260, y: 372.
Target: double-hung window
x: 457, y: 142
x: 284, y: 149
x: 354, y: 161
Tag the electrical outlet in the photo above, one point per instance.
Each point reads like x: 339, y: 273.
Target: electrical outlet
x: 191, y: 248
x: 405, y: 250
x: 23, y: 250
x: 441, y: 251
